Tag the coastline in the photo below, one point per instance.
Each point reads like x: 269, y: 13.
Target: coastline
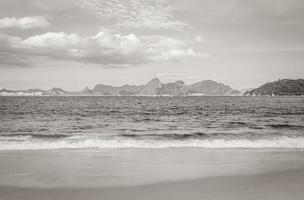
x: 280, y: 185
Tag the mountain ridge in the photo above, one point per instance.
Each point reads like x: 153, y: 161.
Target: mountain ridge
x: 281, y: 87
x: 152, y: 88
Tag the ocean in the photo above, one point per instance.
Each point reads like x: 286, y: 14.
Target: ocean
x: 31, y: 123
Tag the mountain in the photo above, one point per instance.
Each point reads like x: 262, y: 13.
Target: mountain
x: 34, y: 90
x: 244, y: 91
x: 178, y: 88
x: 86, y: 91
x: 210, y: 87
x: 152, y: 88
x: 171, y: 89
x: 56, y: 92
x: 125, y: 90
x: 156, y: 88
x: 280, y: 87
x: 101, y: 89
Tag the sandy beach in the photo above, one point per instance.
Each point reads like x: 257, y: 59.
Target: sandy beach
x: 152, y: 174
x: 151, y: 100
x: 281, y: 185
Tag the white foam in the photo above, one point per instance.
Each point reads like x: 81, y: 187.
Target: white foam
x: 279, y: 142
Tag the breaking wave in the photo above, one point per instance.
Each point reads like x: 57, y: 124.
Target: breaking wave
x: 168, y: 136
x: 279, y: 143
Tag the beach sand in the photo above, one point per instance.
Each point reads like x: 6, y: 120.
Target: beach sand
x: 152, y: 174
x: 283, y: 185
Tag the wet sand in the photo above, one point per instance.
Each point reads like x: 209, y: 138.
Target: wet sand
x: 282, y: 185
x: 139, y: 174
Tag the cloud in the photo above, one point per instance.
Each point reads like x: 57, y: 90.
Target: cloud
x: 176, y: 54
x: 23, y: 23
x: 153, y: 14
x: 105, y: 48
x: 9, y: 53
x: 198, y: 39
x: 244, y: 12
x: 54, y: 5
x: 52, y: 39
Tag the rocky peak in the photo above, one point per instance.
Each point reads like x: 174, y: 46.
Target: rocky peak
x: 151, y: 87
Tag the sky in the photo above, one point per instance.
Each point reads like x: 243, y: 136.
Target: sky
x: 75, y: 44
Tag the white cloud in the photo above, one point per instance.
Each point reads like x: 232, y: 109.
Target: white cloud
x: 176, y: 54
x: 104, y: 48
x: 23, y: 23
x: 116, y: 42
x: 154, y: 14
x: 52, y: 39
x: 198, y: 39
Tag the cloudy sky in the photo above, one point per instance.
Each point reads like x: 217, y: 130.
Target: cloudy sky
x: 77, y: 43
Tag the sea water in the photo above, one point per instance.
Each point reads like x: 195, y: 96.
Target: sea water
x: 29, y: 123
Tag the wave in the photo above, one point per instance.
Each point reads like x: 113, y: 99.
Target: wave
x: 279, y: 143
x: 42, y: 136
x: 285, y: 126
x: 169, y: 136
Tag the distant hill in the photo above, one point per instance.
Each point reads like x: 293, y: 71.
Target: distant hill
x: 290, y: 87
x: 125, y: 90
x: 56, y: 92
x: 171, y: 89
x: 210, y: 87
x: 244, y: 91
x: 156, y: 88
x: 152, y: 88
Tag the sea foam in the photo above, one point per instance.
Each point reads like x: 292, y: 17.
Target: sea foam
x: 279, y: 143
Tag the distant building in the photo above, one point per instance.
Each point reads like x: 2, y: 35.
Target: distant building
x: 18, y: 93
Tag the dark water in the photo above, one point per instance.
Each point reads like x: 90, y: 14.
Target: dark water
x: 151, y: 122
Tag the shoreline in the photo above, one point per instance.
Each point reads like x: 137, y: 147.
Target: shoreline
x: 279, y: 185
